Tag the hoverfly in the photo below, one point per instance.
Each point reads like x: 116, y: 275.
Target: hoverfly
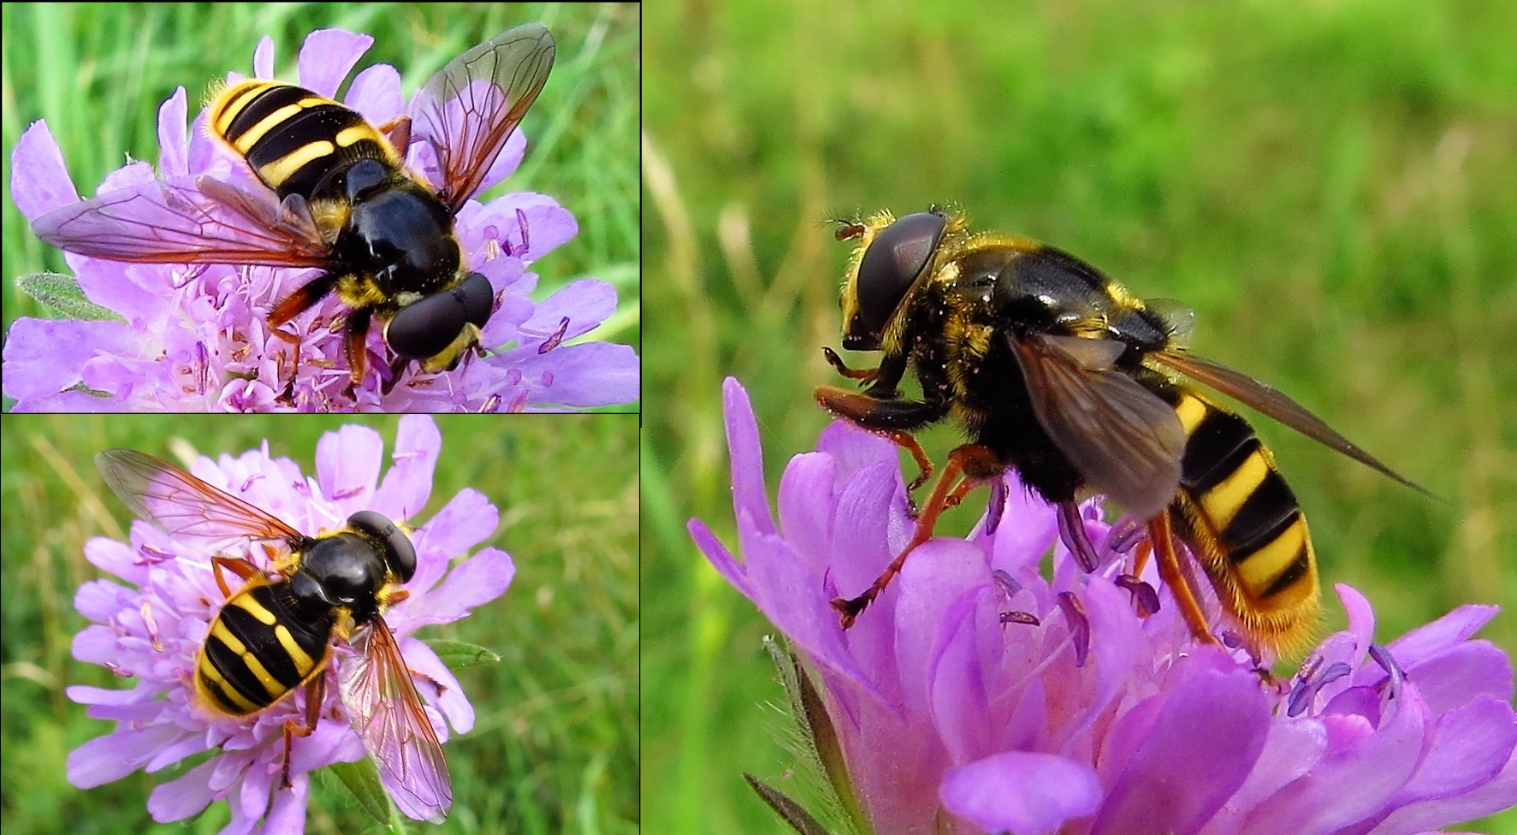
x: 277, y: 632
x: 1055, y: 370
x: 337, y: 197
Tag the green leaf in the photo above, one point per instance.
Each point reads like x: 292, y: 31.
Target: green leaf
x: 458, y: 654
x: 362, y: 781
x: 62, y: 293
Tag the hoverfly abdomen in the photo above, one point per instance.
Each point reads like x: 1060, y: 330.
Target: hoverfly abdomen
x: 1243, y: 522
x: 290, y: 135
x: 262, y: 645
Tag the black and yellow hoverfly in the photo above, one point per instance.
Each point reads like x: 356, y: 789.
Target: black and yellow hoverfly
x: 1055, y: 370
x: 339, y: 198
x: 276, y: 633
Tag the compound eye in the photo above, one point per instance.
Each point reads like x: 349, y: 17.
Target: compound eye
x: 423, y: 329
x: 893, y: 261
x: 478, y: 298
x: 400, y: 553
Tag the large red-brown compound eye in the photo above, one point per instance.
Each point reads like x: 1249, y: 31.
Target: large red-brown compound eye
x: 893, y: 261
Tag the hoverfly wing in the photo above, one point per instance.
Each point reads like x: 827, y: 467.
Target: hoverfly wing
x: 1178, y: 317
x: 187, y: 220
x: 468, y: 109
x: 1273, y: 402
x: 388, y: 716
x: 185, y: 507
x: 1123, y: 439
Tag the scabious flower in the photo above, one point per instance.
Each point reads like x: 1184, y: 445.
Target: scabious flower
x: 150, y: 628
x: 977, y: 696
x: 175, y: 338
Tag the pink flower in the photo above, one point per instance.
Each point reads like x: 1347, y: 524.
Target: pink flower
x: 150, y: 629
x: 977, y: 696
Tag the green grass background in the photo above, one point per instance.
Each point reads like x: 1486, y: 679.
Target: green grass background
x: 1332, y: 186
x: 98, y: 73
x: 555, y: 748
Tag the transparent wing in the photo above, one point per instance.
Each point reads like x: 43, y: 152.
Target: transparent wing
x: 1273, y: 402
x: 1124, y: 440
x: 388, y: 715
x: 469, y: 108
x: 185, y: 507
x: 188, y: 220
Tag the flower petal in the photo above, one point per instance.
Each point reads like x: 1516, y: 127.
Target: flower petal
x: 1444, y: 633
x: 326, y: 58
x: 1021, y: 792
x: 1211, y: 717
x: 408, y: 483
x: 749, y: 495
x: 183, y: 796
x: 347, y: 465
x: 1469, y: 746
x: 108, y: 758
x: 474, y: 582
x: 39, y: 179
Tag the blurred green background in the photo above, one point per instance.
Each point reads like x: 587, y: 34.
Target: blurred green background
x: 555, y: 747
x: 1332, y: 186
x: 98, y: 73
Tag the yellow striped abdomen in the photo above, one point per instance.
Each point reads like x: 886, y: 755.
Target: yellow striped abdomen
x: 292, y: 137
x: 1243, y: 523
x: 259, y: 648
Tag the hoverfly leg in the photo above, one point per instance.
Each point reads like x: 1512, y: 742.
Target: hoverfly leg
x: 241, y: 567
x: 355, y: 335
x: 299, y: 301
x: 1141, y: 554
x: 894, y: 419
x: 316, y: 696
x: 398, y: 130
x: 968, y: 466
x: 864, y: 374
x: 1161, y: 534
x: 397, y: 368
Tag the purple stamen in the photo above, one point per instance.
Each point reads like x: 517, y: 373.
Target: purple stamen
x: 1307, y: 686
x: 152, y: 626
x: 1005, y: 582
x: 152, y: 556
x: 1079, y: 625
x: 997, y: 505
x: 1144, y: 596
x: 1024, y: 618
x: 1124, y: 535
x: 1394, y: 674
x: 556, y: 338
x: 1072, y: 532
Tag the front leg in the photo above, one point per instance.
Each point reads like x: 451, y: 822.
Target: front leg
x: 864, y: 375
x: 892, y: 418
